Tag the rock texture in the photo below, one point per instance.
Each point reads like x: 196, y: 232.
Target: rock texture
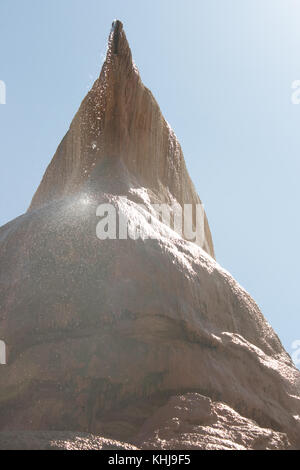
x: 192, y: 421
x: 146, y: 341
x: 58, y: 441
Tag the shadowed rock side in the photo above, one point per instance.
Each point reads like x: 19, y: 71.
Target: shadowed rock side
x: 148, y: 342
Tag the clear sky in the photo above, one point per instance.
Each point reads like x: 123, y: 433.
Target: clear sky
x: 221, y: 71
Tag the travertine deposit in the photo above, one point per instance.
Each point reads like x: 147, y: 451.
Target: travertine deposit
x: 150, y: 341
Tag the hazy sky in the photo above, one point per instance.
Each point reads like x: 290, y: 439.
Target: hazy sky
x: 221, y: 71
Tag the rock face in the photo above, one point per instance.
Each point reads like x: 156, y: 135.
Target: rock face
x: 58, y: 440
x: 145, y: 341
x: 192, y: 421
x: 119, y: 120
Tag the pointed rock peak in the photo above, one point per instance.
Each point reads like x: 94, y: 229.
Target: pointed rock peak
x: 118, y: 50
x: 117, y: 41
x: 115, y: 35
x: 120, y: 119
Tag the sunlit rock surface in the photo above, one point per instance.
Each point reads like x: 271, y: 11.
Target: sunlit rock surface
x: 58, y: 440
x: 149, y: 341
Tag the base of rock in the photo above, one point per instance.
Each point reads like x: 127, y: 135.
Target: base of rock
x: 192, y: 421
x: 60, y: 440
x: 186, y: 422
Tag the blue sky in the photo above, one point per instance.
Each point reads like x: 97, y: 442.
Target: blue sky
x: 222, y: 74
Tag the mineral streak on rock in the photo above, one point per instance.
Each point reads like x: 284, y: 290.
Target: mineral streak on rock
x: 148, y: 342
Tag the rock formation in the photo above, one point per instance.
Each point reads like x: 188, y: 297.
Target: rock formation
x: 120, y: 121
x: 147, y: 341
